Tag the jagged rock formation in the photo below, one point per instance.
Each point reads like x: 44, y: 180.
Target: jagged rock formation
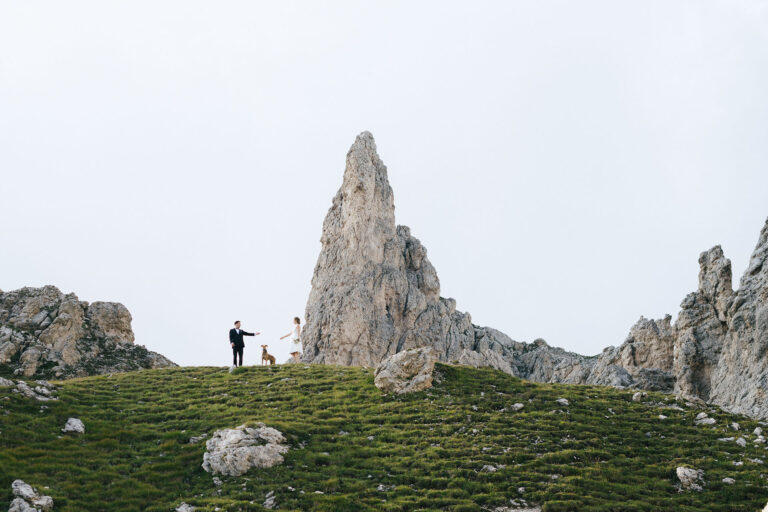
x: 45, y: 333
x: 375, y: 293
x: 740, y: 380
x: 716, y: 350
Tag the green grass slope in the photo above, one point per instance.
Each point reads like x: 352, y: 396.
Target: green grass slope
x: 424, y: 451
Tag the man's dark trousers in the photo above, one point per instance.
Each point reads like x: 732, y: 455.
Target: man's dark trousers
x: 237, y: 352
x: 236, y: 340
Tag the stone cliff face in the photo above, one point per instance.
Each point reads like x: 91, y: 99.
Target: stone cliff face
x: 46, y: 334
x: 716, y: 350
x: 740, y: 379
x: 375, y: 293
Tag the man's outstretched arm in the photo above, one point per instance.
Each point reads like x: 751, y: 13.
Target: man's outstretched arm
x: 250, y: 333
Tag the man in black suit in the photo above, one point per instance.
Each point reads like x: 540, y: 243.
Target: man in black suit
x: 236, y: 340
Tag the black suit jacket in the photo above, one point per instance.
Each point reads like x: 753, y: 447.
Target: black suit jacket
x: 237, y: 339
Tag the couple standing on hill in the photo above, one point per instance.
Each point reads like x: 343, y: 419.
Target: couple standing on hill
x: 237, y: 343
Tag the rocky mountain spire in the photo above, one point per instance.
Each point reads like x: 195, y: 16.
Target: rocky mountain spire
x: 374, y: 292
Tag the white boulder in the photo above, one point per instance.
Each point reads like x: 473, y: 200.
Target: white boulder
x: 27, y: 499
x: 235, y: 451
x: 74, y: 425
x: 690, y: 479
x: 407, y: 371
x: 703, y: 419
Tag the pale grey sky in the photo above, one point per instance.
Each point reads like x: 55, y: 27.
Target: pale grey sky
x: 563, y: 162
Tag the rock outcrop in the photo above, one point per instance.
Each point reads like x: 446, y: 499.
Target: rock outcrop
x: 45, y: 333
x: 717, y: 350
x: 234, y: 451
x: 407, y: 371
x: 27, y: 499
x: 739, y: 382
x: 690, y: 479
x: 375, y: 293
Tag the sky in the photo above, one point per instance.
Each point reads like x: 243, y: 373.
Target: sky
x: 563, y: 162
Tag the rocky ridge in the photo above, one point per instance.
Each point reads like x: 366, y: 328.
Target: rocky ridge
x: 375, y: 293
x: 47, y: 334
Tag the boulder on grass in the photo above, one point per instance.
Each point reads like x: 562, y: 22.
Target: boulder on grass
x: 690, y: 479
x: 74, y: 425
x: 234, y: 451
x: 407, y: 371
x: 27, y: 499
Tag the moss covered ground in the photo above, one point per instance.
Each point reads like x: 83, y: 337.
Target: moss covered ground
x: 355, y: 449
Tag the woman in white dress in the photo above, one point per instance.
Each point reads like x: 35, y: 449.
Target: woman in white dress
x: 295, y: 335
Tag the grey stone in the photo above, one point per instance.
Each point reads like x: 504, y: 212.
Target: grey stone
x: 19, y: 505
x: 407, y: 371
x: 703, y: 419
x: 28, y: 499
x: 39, y: 393
x: 74, y: 425
x: 269, y: 500
x: 690, y: 479
x: 234, y: 452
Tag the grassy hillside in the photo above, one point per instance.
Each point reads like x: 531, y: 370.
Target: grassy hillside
x: 420, y: 452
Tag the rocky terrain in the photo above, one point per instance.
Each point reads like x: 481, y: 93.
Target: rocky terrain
x: 47, y: 334
x: 375, y: 293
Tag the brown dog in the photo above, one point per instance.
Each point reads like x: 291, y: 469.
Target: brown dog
x: 266, y: 357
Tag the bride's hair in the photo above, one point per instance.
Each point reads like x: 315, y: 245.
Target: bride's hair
x: 297, y: 320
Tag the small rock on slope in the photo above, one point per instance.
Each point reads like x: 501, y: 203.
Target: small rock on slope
x: 27, y: 499
x: 406, y: 371
x: 690, y: 479
x: 235, y: 451
x: 74, y: 425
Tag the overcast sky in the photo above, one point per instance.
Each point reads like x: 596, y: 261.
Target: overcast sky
x: 563, y: 162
